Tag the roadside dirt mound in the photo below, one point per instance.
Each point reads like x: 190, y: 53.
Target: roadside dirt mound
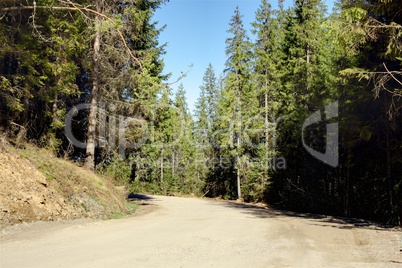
x: 60, y: 190
x: 26, y: 194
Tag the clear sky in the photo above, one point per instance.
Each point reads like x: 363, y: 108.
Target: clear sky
x: 195, y: 35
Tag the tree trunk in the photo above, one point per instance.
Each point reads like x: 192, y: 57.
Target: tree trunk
x: 173, y: 164
x: 238, y: 179
x: 162, y: 165
x: 91, y: 136
x: 307, y: 69
x: 239, y: 126
x: 391, y: 182
x: 51, y: 138
x: 346, y: 206
x: 266, y: 168
x: 164, y: 189
x: 308, y: 54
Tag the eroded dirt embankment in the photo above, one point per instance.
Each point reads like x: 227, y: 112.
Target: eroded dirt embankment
x: 36, y: 186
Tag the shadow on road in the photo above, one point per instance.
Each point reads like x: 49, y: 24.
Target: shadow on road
x: 141, y: 197
x: 329, y: 221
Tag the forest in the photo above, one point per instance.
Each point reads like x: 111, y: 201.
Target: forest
x: 306, y: 117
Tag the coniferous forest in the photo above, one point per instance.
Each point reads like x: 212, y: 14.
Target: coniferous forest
x: 306, y: 115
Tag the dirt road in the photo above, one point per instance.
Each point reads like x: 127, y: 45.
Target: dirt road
x: 186, y: 232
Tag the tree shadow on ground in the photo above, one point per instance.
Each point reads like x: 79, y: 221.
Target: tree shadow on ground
x: 140, y: 197
x: 321, y: 220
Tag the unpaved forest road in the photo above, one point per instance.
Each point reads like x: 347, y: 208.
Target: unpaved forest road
x: 187, y: 232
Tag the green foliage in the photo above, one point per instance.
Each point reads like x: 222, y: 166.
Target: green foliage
x: 300, y: 62
x: 205, y: 127
x: 238, y: 103
x: 119, y: 169
x: 10, y: 95
x: 165, y: 162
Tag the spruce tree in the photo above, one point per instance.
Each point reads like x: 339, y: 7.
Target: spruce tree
x: 184, y: 146
x: 267, y: 71
x: 303, y: 91
x: 238, y: 103
x: 206, y: 124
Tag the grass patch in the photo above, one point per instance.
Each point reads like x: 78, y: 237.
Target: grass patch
x: 117, y: 216
x: 48, y: 170
x: 133, y: 207
x: 84, y: 207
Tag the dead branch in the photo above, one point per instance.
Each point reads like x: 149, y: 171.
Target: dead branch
x: 180, y: 77
x: 390, y: 73
x: 36, y: 28
x: 379, y: 25
x: 75, y: 8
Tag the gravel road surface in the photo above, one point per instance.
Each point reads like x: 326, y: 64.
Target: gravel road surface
x: 190, y: 232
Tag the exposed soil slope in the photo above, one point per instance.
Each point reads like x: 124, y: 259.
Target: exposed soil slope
x: 35, y: 186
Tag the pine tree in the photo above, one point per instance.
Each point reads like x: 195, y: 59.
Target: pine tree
x: 374, y: 65
x: 205, y: 125
x: 238, y: 104
x: 125, y: 74
x: 40, y: 68
x: 130, y: 73
x: 267, y: 71
x: 184, y: 146
x: 305, y: 88
x: 202, y: 129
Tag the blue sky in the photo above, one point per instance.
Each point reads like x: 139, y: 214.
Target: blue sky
x: 195, y: 35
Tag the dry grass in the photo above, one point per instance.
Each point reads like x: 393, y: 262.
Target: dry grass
x: 97, y: 196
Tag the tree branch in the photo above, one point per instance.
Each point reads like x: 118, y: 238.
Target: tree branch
x: 5, y: 9
x: 180, y: 77
x: 390, y: 73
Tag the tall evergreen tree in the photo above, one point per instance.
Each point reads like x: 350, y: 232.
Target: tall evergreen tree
x: 130, y: 73
x: 202, y: 129
x: 125, y: 72
x: 205, y: 125
x: 375, y: 66
x: 267, y: 72
x: 184, y: 147
x: 238, y: 103
x: 39, y: 68
x: 304, y: 91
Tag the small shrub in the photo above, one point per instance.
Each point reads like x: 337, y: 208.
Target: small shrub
x: 119, y: 169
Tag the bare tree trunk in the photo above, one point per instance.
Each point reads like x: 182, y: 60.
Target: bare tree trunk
x: 51, y: 140
x: 307, y: 69
x: 91, y: 136
x: 391, y: 182
x: 266, y: 168
x: 239, y: 125
x: 173, y: 163
x: 238, y: 174
x: 162, y: 165
x: 346, y: 207
x: 163, y: 186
